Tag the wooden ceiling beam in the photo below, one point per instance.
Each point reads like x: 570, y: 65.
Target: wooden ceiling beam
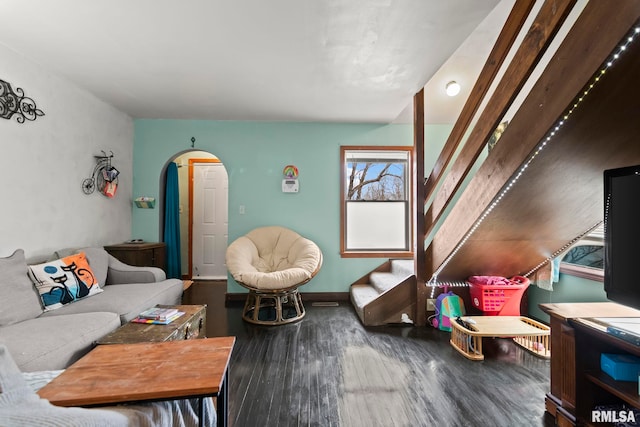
x: 420, y: 267
x: 593, y: 37
x: 499, y: 52
x: 544, y: 28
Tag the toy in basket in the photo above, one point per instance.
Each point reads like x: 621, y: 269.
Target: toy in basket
x: 497, y: 296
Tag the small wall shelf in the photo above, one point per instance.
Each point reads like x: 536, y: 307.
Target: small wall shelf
x: 145, y: 202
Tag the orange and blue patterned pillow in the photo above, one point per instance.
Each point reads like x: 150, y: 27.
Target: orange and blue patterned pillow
x: 64, y: 281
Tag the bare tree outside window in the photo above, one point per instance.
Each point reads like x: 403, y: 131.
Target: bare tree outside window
x: 376, y: 181
x: 586, y: 255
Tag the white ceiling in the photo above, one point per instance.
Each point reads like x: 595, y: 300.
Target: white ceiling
x: 293, y: 60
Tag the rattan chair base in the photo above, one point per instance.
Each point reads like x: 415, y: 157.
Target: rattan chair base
x: 282, y: 307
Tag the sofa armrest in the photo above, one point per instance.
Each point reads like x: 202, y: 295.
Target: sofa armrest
x: 120, y: 273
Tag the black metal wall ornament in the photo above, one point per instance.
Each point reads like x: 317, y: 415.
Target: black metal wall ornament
x: 104, y: 177
x: 15, y: 103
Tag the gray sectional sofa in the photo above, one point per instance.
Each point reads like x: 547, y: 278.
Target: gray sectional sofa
x: 41, y: 340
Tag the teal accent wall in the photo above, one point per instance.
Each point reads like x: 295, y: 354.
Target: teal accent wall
x: 254, y: 154
x: 435, y: 137
x: 568, y: 289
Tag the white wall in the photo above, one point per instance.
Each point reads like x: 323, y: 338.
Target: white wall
x: 43, y: 163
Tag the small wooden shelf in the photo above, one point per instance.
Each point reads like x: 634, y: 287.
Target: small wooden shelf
x: 593, y: 386
x: 625, y: 390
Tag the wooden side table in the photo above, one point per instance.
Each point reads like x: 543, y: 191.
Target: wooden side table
x: 143, y: 254
x: 189, y: 369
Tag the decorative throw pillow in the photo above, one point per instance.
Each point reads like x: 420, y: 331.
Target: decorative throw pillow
x: 64, y: 281
x: 99, y: 261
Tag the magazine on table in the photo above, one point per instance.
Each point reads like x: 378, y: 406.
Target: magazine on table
x: 164, y: 321
x: 158, y: 313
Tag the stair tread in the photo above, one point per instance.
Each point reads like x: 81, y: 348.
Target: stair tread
x: 379, y: 282
x: 384, y: 281
x: 361, y: 295
x: 402, y: 266
x: 400, y: 270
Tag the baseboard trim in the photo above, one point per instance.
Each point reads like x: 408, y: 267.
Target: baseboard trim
x: 325, y: 296
x: 240, y: 297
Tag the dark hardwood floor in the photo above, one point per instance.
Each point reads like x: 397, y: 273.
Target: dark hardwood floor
x: 329, y: 370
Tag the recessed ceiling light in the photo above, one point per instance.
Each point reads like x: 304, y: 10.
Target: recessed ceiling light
x: 452, y: 88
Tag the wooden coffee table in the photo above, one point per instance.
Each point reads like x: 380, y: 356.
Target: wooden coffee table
x: 192, y: 324
x: 143, y: 372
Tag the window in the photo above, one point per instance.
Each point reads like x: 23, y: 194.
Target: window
x: 586, y: 255
x: 586, y: 258
x: 376, y: 201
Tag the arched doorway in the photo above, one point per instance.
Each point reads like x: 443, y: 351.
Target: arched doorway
x: 208, y: 219
x: 203, y: 214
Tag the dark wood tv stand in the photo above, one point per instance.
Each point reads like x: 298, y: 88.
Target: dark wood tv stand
x: 574, y: 350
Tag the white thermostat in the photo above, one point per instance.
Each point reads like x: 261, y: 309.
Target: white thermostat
x: 290, y: 181
x: 290, y: 186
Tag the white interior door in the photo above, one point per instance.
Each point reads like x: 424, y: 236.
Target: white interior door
x: 210, y: 221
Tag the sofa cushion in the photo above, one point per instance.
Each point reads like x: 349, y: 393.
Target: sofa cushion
x: 64, y: 281
x: 18, y: 299
x: 49, y: 343
x: 127, y: 300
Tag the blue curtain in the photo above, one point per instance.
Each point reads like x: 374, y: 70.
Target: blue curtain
x: 172, y: 222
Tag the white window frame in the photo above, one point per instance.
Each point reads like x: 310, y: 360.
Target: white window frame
x: 350, y: 244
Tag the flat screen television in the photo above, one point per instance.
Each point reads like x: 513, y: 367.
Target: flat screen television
x: 622, y: 235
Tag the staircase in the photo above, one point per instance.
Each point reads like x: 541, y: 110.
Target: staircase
x: 386, y: 295
x: 523, y: 206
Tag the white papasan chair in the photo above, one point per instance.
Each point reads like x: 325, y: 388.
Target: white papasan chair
x: 272, y: 262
